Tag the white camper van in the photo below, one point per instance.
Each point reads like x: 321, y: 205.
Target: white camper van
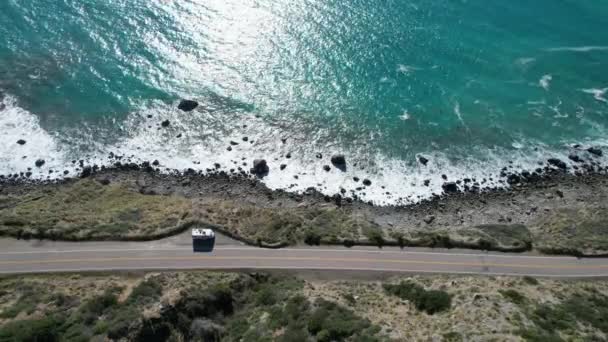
x: 203, y: 240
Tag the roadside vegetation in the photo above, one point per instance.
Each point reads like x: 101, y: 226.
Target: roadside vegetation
x: 89, y: 210
x: 575, y: 232
x: 201, y: 306
x: 215, y: 306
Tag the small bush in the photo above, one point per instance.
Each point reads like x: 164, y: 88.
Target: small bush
x: 452, y: 336
x: 513, y: 295
x: 375, y: 236
x: 266, y: 296
x: 429, y: 301
x: 331, y: 322
x: 40, y: 330
x: 98, y: 305
x: 147, y: 291
x: 312, y: 238
x: 529, y: 280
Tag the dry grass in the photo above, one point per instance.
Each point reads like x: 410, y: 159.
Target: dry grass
x: 89, y: 210
x: 570, y: 231
x: 479, y: 311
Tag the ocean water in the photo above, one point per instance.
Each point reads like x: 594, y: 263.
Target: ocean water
x: 472, y: 85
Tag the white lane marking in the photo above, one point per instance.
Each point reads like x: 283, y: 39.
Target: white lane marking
x: 379, y: 251
x: 128, y: 268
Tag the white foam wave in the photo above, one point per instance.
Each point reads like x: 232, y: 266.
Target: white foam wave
x: 406, y: 69
x: 598, y: 94
x: 544, y: 81
x: 394, y: 181
x: 19, y: 124
x: 577, y: 48
x: 405, y: 116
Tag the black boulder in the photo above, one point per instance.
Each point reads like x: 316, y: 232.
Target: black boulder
x: 187, y: 105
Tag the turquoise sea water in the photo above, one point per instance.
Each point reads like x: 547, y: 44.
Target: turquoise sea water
x: 472, y: 85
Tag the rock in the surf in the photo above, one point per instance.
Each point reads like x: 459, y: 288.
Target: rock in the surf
x: 450, y: 187
x: 575, y: 158
x: 39, y: 162
x: 339, y: 161
x: 21, y: 142
x: 260, y: 168
x: 165, y: 123
x: 423, y: 160
x: 557, y: 163
x: 187, y: 105
x: 595, y: 151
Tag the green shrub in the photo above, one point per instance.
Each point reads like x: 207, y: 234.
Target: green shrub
x: 430, y: 301
x: 147, y: 291
x: 375, y: 236
x: 296, y: 307
x: 312, y: 238
x: 98, y: 305
x: 39, y: 330
x: 266, y: 296
x: 513, y: 295
x: 331, y: 322
x: 452, y: 336
x: 529, y: 280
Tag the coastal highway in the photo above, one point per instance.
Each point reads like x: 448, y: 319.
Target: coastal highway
x: 175, y: 253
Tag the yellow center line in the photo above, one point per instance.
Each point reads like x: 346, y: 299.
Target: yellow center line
x: 316, y: 259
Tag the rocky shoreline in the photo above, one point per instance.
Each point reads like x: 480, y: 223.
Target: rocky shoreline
x: 560, y: 212
x: 559, y: 207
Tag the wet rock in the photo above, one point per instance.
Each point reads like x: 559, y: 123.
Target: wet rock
x: 39, y: 162
x: 559, y: 193
x: 367, y: 182
x: 178, y: 136
x: 86, y: 172
x: 288, y: 156
x: 450, y: 187
x: 187, y: 105
x: 229, y: 148
x: 21, y: 142
x: 427, y: 182
x: 326, y: 168
x: 245, y: 138
x: 429, y: 219
x: 155, y: 163
x: 513, y: 179
x: 356, y: 179
x: 319, y: 155
x: 283, y: 166
x: 557, y: 163
x: 233, y: 143
x: 339, y: 161
x: 575, y: 158
x: 595, y: 151
x: 423, y: 160
x: 260, y: 168
x: 165, y: 123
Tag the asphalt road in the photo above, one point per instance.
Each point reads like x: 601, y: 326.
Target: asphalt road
x: 176, y: 253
